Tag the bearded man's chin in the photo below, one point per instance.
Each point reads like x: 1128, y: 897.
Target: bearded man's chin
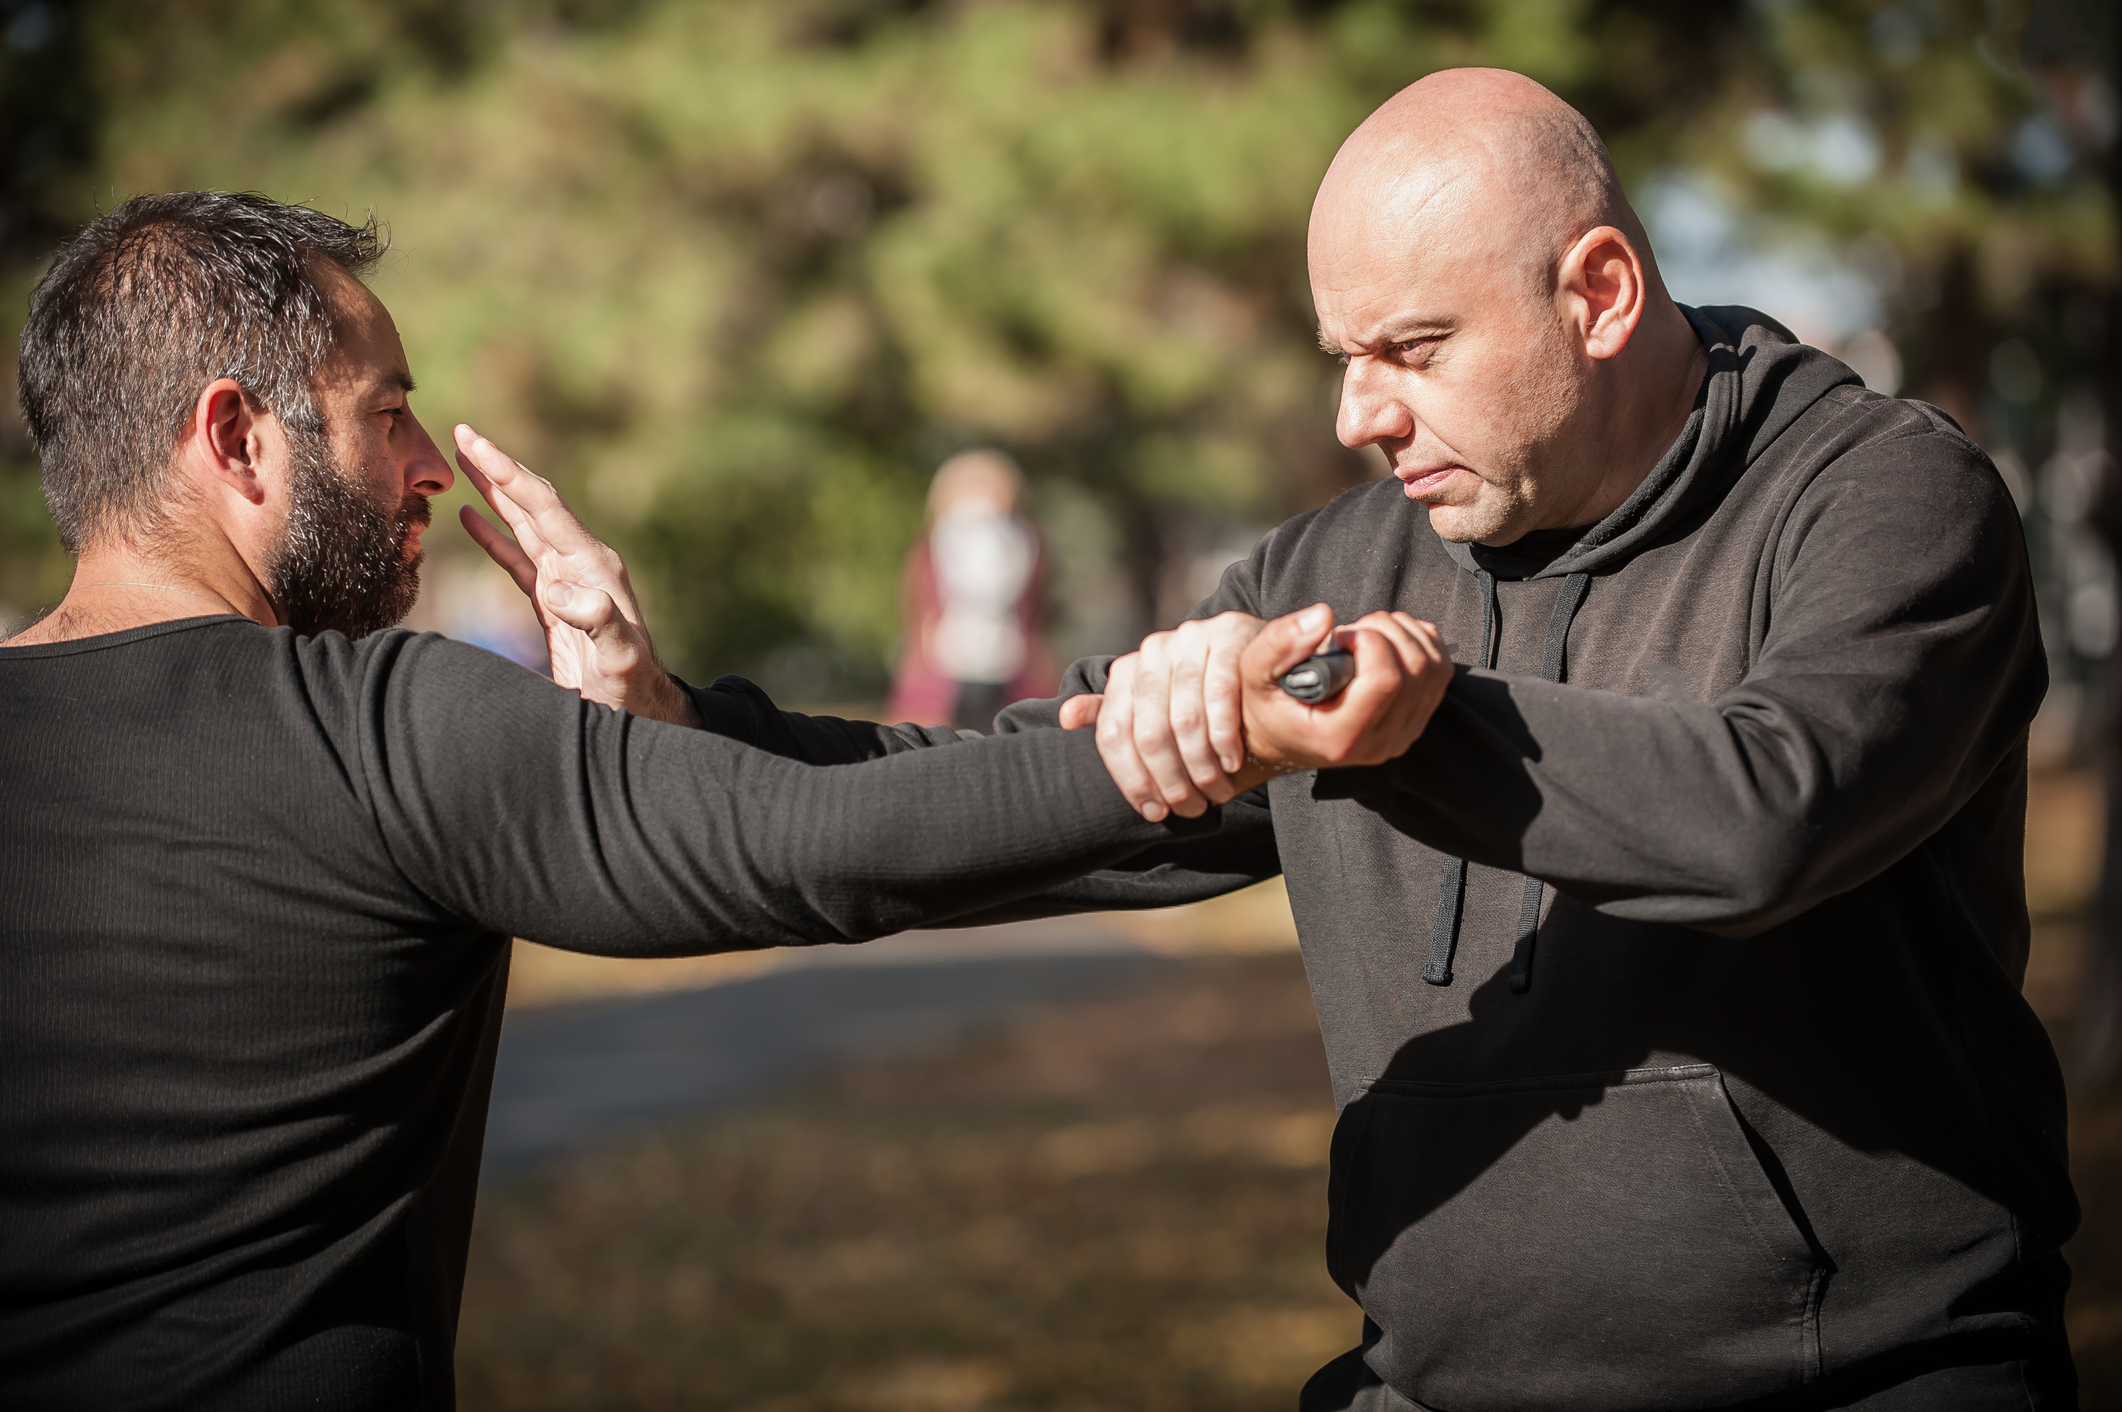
x: 355, y: 614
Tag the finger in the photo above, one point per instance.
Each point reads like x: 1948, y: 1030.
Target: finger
x: 1425, y: 635
x: 1285, y: 642
x: 1189, y: 716
x: 520, y: 496
x: 517, y: 519
x: 1360, y: 722
x: 1222, y: 700
x: 1154, y: 740
x: 483, y: 459
x: 1080, y: 711
x: 590, y: 610
x: 502, y: 550
x: 535, y: 497
x: 1398, y: 635
x: 1116, y: 743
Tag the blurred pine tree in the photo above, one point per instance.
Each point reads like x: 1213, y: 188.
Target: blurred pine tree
x: 739, y: 275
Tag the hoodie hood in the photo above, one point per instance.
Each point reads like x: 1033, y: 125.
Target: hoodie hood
x: 1760, y: 380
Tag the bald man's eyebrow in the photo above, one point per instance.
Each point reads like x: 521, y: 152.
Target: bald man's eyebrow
x: 1402, y: 330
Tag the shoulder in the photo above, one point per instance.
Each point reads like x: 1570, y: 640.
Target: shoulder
x: 409, y: 674
x: 1854, y: 440
x: 1897, y: 488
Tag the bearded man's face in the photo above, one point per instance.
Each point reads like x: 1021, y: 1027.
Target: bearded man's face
x: 344, y: 562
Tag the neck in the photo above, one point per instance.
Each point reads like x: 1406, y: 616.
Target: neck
x: 1645, y: 398
x: 117, y: 587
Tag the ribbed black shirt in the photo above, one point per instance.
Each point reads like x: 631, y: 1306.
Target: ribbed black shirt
x: 255, y: 898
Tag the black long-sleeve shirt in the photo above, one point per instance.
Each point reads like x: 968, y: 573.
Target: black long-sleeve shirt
x: 255, y: 899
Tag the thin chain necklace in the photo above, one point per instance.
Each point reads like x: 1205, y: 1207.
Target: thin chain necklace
x: 221, y: 603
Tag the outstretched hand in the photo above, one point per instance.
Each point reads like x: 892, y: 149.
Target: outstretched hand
x: 1197, y: 715
x: 576, y: 584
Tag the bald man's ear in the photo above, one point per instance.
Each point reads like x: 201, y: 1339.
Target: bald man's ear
x: 1602, y: 290
x: 221, y: 443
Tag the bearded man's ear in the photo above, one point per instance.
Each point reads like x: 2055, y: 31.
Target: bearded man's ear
x: 221, y: 440
x: 1602, y: 283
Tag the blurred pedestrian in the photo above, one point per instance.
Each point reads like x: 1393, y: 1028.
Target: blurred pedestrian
x: 970, y: 601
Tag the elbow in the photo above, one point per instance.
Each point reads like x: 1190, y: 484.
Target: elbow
x: 1764, y: 878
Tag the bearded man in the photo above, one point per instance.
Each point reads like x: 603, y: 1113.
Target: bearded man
x: 1670, y: 977
x: 260, y: 862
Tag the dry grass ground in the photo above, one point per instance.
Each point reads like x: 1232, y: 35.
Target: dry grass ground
x: 1114, y: 1205
x: 1118, y: 1204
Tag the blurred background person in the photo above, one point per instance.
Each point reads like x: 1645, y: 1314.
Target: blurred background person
x: 970, y: 599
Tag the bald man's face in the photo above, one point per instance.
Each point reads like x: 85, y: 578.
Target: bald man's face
x: 1460, y: 366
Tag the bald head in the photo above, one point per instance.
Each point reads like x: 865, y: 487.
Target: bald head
x: 1487, y: 153
x: 1511, y: 348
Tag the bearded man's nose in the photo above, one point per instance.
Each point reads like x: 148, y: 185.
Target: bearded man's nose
x: 428, y: 471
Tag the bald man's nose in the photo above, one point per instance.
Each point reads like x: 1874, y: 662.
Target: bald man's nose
x: 427, y: 470
x: 1370, y: 411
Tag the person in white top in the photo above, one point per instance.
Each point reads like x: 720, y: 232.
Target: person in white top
x: 970, y: 598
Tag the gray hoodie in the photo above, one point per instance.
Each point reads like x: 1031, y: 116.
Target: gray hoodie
x: 1670, y: 983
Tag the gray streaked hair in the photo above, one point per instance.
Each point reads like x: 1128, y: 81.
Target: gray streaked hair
x: 143, y: 308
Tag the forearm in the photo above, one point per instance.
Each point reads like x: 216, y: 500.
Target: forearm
x: 1168, y: 874
x: 540, y: 815
x: 1729, y: 816
x: 736, y: 709
x: 1171, y: 874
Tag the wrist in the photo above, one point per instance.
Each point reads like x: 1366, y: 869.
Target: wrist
x: 680, y: 709
x: 1256, y: 772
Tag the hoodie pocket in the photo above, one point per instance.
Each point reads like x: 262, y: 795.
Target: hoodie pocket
x: 1592, y: 1241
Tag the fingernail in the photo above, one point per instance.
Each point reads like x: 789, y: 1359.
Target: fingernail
x: 1154, y: 812
x: 1315, y: 617
x: 560, y: 595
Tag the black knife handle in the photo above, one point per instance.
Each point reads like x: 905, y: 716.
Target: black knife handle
x: 1321, y: 678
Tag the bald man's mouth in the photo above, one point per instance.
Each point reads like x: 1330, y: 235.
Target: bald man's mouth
x: 1421, y: 482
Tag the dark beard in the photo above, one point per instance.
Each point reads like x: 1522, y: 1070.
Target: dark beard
x: 341, y: 563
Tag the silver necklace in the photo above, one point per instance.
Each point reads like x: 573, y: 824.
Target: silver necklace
x: 221, y: 603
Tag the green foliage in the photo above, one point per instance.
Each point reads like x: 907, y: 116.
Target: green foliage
x: 738, y: 275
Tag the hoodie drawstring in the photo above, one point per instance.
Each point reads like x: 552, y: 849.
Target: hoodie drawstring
x: 1444, y: 935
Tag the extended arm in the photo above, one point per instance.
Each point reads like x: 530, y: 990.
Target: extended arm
x: 1165, y: 875
x: 601, y: 648
x: 520, y: 808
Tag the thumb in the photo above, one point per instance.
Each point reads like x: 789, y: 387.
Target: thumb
x: 1080, y: 711
x: 1286, y: 641
x: 589, y: 609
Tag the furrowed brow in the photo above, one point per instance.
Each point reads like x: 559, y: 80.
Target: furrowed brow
x: 1400, y: 330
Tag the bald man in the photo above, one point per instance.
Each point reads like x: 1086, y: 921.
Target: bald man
x: 1669, y: 974
x: 1671, y: 980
